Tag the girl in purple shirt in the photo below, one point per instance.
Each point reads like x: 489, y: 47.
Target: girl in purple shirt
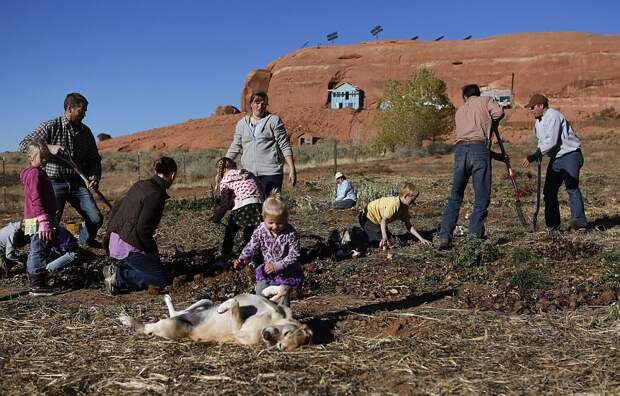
x: 275, y: 243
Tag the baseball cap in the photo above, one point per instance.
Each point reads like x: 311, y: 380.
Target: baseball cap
x: 537, y: 99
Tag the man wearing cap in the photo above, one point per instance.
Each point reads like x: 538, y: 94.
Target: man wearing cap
x: 345, y: 195
x: 557, y: 140
x: 472, y: 159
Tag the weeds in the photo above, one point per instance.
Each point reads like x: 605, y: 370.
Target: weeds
x: 178, y: 205
x: 524, y: 256
x: 527, y: 280
x: 474, y: 253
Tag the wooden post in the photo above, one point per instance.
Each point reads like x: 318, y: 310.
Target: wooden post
x: 184, y: 169
x: 4, y: 182
x: 139, y: 166
x: 335, y: 156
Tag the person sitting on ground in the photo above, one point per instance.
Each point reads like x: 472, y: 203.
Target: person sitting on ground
x: 64, y: 250
x: 345, y: 195
x: 241, y: 191
x: 12, y: 237
x: 39, y: 211
x: 276, y: 243
x: 129, y: 237
x: 378, y: 213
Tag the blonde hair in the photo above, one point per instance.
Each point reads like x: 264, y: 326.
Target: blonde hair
x: 275, y: 208
x: 35, y: 147
x: 408, y: 189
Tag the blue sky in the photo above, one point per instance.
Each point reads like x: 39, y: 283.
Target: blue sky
x: 144, y: 64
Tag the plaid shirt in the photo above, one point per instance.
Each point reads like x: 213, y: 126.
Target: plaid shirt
x: 79, y: 143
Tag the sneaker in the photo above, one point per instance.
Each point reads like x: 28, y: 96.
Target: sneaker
x: 355, y: 253
x: 574, y: 225
x: 37, y: 286
x: 444, y: 244
x: 109, y: 279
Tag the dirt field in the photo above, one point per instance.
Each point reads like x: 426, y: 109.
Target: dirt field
x: 521, y: 313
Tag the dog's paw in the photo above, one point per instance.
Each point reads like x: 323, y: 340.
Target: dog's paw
x: 271, y: 291
x: 227, y: 305
x: 126, y: 320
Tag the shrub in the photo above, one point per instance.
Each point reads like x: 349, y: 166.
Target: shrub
x: 524, y: 256
x: 474, y: 253
x: 527, y: 280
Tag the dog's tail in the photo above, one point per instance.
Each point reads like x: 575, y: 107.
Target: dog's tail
x: 131, y: 323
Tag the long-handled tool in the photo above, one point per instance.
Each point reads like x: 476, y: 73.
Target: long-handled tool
x: 538, y: 182
x: 77, y: 170
x: 518, y: 203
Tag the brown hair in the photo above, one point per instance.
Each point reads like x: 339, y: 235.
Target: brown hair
x: 224, y: 164
x: 164, y: 166
x: 75, y: 99
x: 260, y: 95
x: 275, y: 208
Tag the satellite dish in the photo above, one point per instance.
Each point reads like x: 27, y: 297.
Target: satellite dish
x: 439, y: 38
x: 467, y: 38
x: 414, y: 38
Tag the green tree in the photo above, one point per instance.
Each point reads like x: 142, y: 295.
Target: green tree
x: 103, y: 136
x: 415, y: 110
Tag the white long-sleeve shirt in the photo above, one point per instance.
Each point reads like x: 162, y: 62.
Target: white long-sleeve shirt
x: 555, y: 134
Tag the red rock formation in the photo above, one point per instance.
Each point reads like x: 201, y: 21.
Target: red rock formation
x: 578, y: 71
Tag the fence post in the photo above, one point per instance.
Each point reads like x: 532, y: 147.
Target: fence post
x: 184, y: 169
x: 335, y: 156
x: 4, y: 182
x: 139, y: 167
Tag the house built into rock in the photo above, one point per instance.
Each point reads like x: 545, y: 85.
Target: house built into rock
x: 345, y: 95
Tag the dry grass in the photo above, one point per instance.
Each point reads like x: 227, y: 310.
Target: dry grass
x: 538, y: 319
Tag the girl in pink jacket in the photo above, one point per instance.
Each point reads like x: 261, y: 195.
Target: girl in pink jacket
x: 241, y: 192
x: 39, y: 212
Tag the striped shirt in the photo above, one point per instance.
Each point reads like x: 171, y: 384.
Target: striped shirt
x: 78, y: 142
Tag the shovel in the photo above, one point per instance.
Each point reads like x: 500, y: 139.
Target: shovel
x: 77, y: 170
x: 538, y: 177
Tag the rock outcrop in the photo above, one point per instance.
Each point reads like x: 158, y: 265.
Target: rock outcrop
x: 578, y: 71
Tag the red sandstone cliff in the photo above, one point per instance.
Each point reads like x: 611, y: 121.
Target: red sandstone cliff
x: 579, y: 72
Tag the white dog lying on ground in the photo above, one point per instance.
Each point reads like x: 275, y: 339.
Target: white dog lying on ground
x: 246, y: 319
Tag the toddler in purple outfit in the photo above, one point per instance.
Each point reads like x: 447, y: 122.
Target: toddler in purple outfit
x: 275, y: 243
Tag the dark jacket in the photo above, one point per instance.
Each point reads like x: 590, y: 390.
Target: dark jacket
x: 136, y: 216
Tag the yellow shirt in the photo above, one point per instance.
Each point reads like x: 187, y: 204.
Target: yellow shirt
x: 389, y: 208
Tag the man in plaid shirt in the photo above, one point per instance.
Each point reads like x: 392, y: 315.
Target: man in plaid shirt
x: 68, y: 136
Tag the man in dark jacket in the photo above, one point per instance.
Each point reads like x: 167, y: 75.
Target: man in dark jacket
x: 129, y: 236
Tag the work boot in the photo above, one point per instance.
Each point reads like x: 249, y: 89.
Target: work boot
x: 37, y: 285
x: 574, y: 225
x: 444, y: 244
x: 109, y: 279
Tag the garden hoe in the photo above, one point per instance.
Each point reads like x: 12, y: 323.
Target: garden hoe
x: 77, y: 170
x: 538, y: 177
x: 518, y: 204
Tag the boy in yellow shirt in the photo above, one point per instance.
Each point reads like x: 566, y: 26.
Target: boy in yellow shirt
x: 378, y: 213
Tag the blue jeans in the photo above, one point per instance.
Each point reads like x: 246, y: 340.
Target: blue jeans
x: 271, y: 182
x: 564, y: 169
x: 344, y: 204
x: 37, y: 257
x: 470, y: 160
x: 80, y: 198
x: 61, y: 260
x: 139, y: 271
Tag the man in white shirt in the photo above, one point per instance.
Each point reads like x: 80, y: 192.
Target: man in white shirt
x: 558, y: 141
